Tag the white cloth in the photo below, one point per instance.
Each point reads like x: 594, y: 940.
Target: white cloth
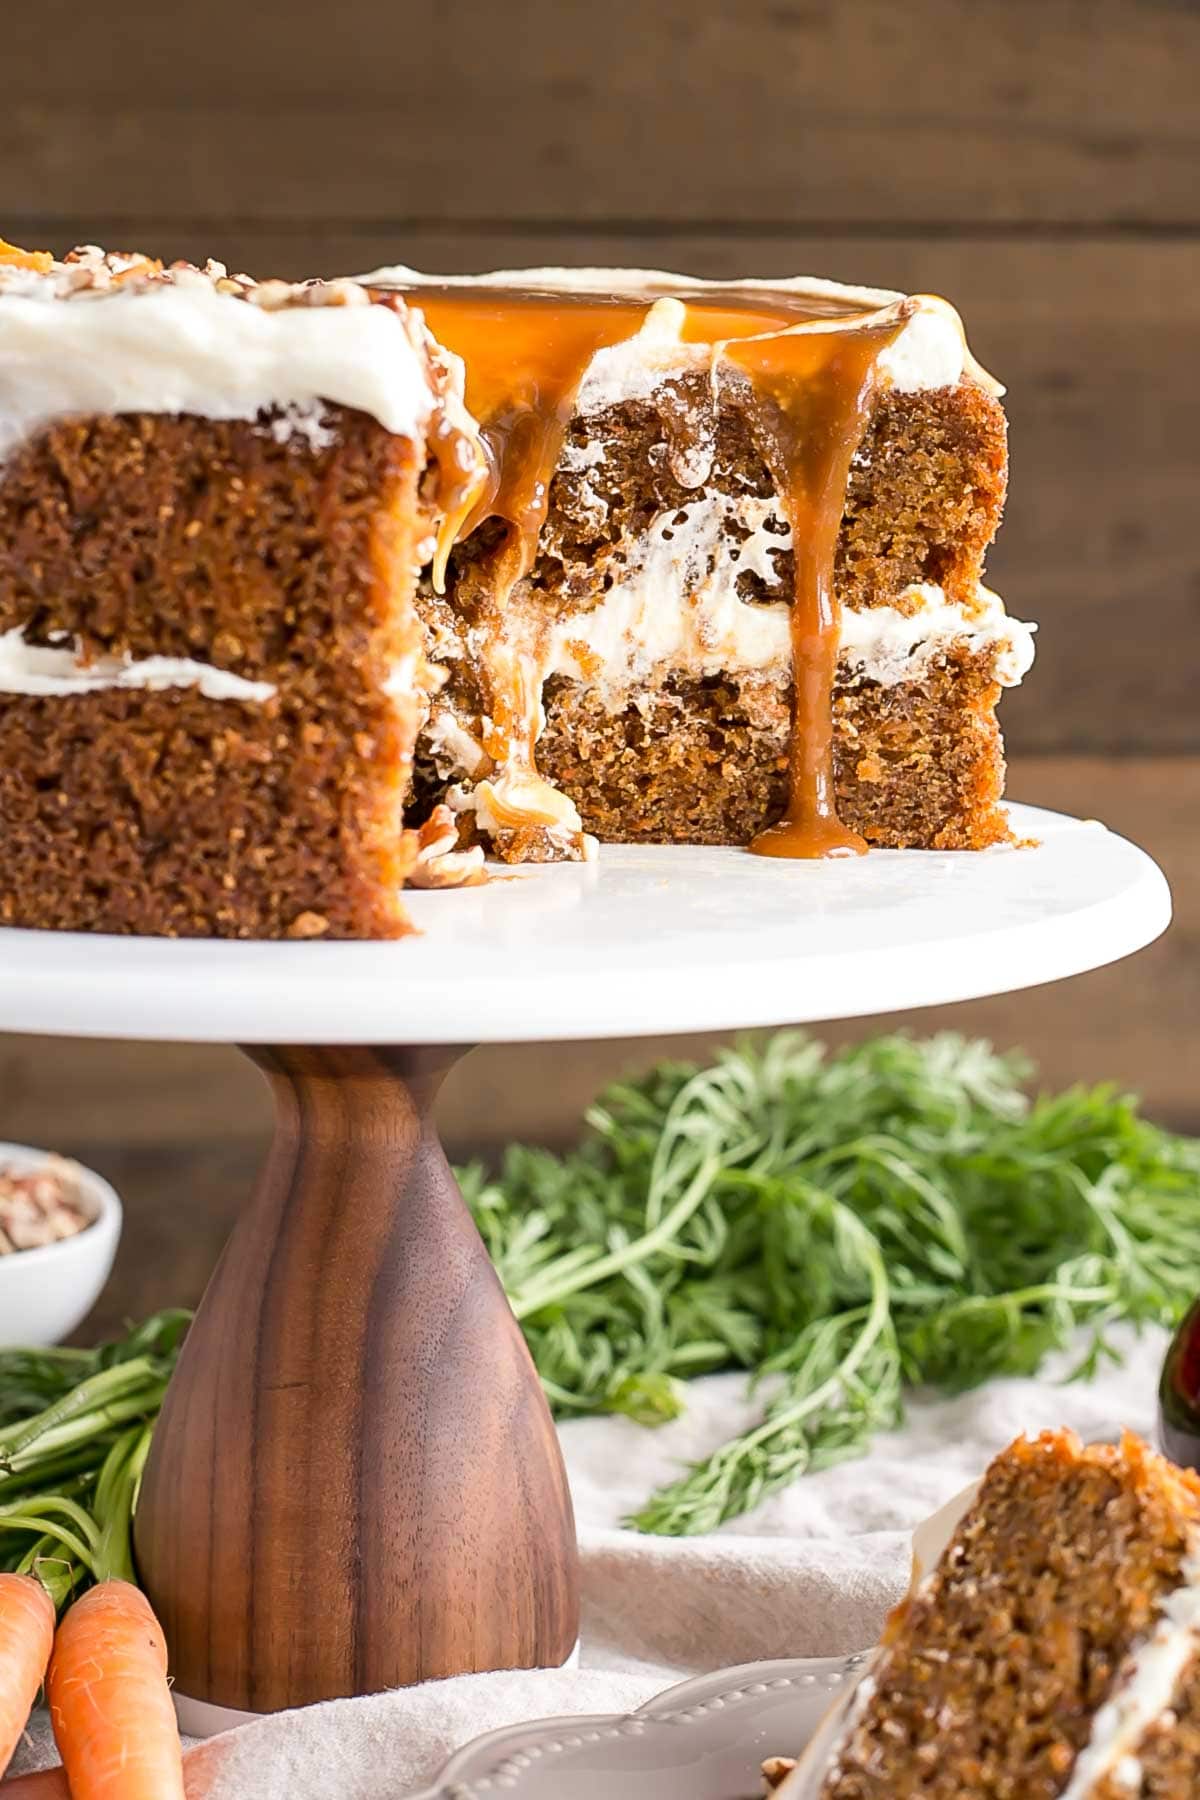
x: 811, y: 1572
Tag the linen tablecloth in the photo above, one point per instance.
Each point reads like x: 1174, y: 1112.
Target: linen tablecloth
x: 810, y: 1573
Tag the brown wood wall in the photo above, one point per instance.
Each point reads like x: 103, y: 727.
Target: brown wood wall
x: 1036, y: 161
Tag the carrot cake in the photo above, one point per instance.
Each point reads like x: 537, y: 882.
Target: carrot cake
x: 1051, y: 1653
x: 215, y: 497
x: 724, y: 581
x: 309, y: 591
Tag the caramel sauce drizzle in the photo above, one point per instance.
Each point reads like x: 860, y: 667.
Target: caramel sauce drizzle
x: 812, y: 400
x: 525, y: 359
x: 809, y: 395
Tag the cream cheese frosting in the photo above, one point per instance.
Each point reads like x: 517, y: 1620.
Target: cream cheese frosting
x: 184, y: 347
x: 674, y: 604
x: 61, y: 670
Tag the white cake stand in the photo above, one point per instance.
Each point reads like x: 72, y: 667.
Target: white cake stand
x: 355, y: 1483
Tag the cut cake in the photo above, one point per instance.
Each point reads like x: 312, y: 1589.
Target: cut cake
x: 1051, y: 1652
x: 284, y: 625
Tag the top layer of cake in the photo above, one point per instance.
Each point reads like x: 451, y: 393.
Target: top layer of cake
x: 135, y: 336
x: 930, y: 352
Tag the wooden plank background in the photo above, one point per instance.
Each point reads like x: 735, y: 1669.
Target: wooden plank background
x: 1034, y: 160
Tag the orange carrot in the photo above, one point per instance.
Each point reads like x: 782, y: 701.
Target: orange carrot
x: 110, y: 1705
x: 26, y: 1634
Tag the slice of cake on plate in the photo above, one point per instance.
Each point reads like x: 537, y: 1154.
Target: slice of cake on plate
x: 214, y: 500
x: 726, y: 569
x: 1049, y: 1650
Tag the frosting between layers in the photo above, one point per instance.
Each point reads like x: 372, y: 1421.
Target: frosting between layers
x: 55, y: 671
x: 674, y: 604
x: 184, y: 347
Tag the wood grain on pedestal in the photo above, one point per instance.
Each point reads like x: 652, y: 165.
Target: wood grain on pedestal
x: 356, y: 1482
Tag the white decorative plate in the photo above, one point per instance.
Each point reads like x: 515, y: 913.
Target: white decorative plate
x: 703, y: 1740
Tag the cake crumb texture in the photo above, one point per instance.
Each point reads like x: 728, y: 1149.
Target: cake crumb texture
x: 240, y: 544
x: 992, y: 1673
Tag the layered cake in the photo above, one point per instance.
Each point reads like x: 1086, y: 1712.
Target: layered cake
x: 724, y: 581
x: 1051, y: 1652
x: 309, y: 591
x: 215, y: 498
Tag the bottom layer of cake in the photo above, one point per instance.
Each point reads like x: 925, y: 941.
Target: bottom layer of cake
x: 169, y: 814
x: 918, y: 764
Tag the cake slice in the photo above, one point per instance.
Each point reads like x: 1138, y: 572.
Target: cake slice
x: 723, y: 583
x: 1052, y: 1651
x: 215, y: 497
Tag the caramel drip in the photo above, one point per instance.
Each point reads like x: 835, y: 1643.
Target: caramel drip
x: 812, y: 395
x: 809, y: 397
x: 705, y: 323
x: 525, y: 359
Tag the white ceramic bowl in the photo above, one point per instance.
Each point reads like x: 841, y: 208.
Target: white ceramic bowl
x: 44, y: 1293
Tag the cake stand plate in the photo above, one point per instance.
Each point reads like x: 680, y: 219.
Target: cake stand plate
x: 355, y: 1482
x: 648, y: 939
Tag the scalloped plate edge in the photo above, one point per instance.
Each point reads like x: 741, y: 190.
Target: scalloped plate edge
x: 490, y: 1756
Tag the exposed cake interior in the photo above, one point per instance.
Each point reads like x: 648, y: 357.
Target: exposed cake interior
x: 702, y: 562
x: 1054, y: 1649
x: 630, y: 645
x: 214, y: 500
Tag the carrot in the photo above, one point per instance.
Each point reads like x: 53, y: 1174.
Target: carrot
x: 110, y: 1705
x: 26, y: 1634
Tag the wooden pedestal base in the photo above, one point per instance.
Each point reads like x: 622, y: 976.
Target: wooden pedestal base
x: 355, y: 1483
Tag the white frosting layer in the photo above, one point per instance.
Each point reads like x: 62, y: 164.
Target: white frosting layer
x: 55, y: 672
x: 677, y: 607
x: 185, y: 348
x: 1145, y: 1692
x: 453, y: 750
x: 888, y: 645
x: 929, y: 352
